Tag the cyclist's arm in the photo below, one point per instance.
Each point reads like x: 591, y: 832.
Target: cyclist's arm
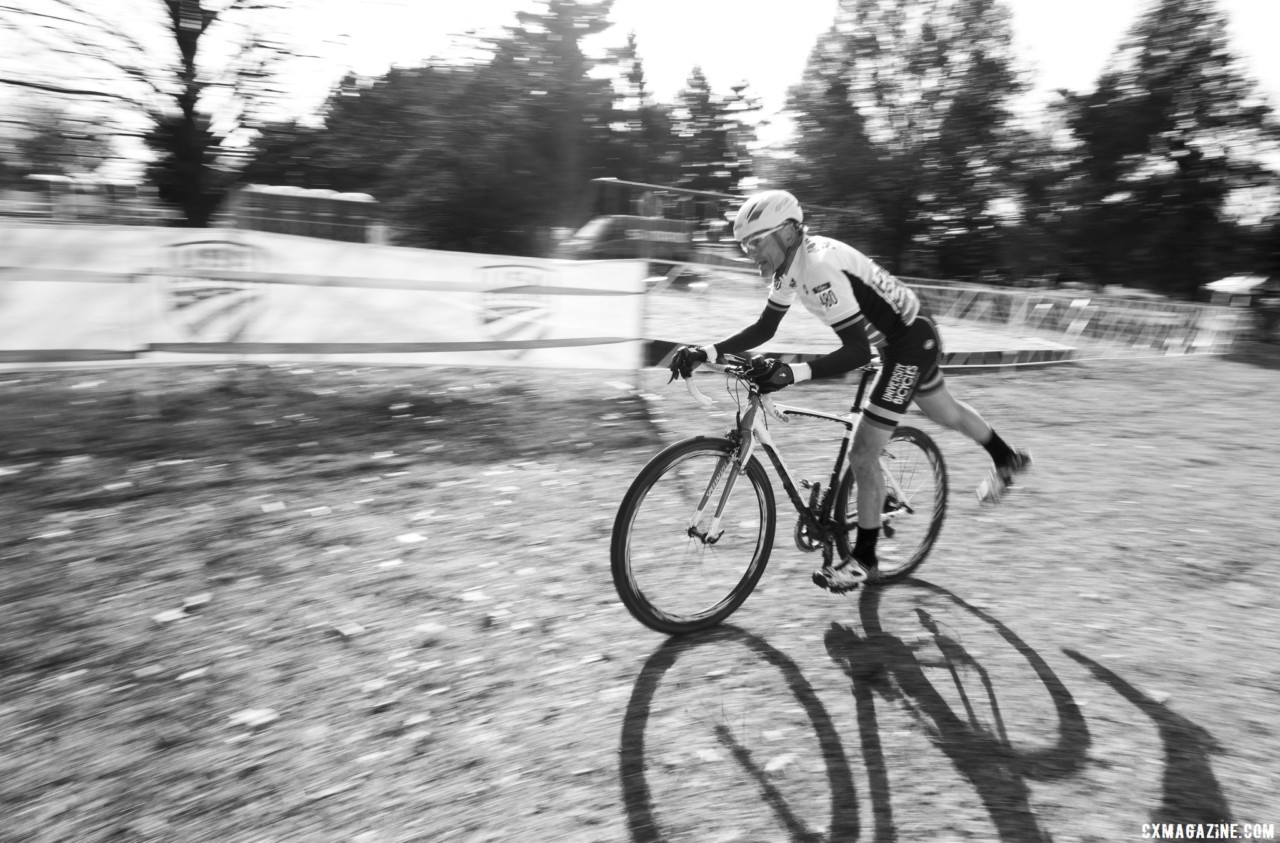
x: 760, y: 331
x: 854, y: 353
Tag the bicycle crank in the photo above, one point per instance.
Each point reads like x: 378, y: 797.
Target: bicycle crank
x: 805, y: 539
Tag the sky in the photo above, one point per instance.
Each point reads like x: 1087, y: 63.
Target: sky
x: 1060, y: 43
x: 1063, y: 43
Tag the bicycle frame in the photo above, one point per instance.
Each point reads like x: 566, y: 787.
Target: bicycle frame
x: 752, y: 428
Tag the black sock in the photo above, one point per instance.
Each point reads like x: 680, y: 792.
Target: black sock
x: 864, y: 545
x: 999, y: 450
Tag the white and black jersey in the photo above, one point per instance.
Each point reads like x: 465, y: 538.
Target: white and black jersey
x: 844, y: 288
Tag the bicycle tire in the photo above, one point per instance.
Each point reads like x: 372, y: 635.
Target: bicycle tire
x: 677, y: 583
x: 922, y: 472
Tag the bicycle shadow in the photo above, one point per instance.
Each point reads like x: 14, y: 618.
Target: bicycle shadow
x: 885, y: 665
x: 961, y: 715
x: 1190, y: 792
x: 637, y: 794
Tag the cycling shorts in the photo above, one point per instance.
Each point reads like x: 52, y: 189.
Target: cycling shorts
x: 910, y: 365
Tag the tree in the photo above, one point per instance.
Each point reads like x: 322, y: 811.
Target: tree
x: 51, y: 141
x: 713, y: 133
x: 642, y: 146
x: 903, y: 110
x: 491, y: 155
x: 542, y: 64
x: 836, y: 161
x: 482, y: 156
x: 369, y: 127
x: 1037, y: 237
x: 1164, y: 139
x: 196, y: 73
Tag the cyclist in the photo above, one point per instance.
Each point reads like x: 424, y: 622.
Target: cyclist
x: 865, y: 305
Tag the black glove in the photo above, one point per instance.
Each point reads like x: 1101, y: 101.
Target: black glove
x: 685, y: 360
x: 770, y: 374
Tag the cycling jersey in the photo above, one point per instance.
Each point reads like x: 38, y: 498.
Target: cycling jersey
x: 846, y: 289
x: 843, y: 287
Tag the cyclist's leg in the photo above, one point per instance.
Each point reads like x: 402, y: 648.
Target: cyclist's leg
x: 937, y: 402
x: 894, y: 389
x: 868, y: 444
x: 911, y: 369
x: 890, y: 396
x: 947, y: 410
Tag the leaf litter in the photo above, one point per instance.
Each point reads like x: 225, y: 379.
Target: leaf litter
x: 393, y: 700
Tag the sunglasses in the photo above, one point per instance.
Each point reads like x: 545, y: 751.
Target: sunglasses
x: 752, y: 243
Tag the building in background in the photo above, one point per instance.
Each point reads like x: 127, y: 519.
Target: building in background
x: 352, y: 217
x: 84, y: 200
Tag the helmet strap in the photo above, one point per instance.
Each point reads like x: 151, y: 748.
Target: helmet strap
x: 796, y: 235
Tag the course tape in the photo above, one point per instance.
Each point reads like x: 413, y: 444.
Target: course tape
x: 92, y: 276
x: 68, y: 355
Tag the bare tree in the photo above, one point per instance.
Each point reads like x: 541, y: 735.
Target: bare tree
x: 188, y: 76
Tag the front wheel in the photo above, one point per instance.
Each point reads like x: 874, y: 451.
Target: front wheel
x: 692, y: 536
x: 915, y: 482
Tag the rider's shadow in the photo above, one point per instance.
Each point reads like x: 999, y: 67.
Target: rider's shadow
x: 938, y: 678
x: 1190, y: 792
x: 884, y: 665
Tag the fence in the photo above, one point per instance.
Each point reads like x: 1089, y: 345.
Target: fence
x: 1136, y: 325
x: 983, y: 327
x: 132, y: 293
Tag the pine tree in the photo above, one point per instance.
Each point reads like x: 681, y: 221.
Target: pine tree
x: 1165, y: 138
x: 642, y: 147
x: 713, y: 136
x: 543, y: 58
x: 903, y: 111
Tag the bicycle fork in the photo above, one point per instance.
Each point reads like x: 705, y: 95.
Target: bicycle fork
x: 735, y: 462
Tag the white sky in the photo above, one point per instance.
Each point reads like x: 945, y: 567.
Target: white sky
x: 1064, y: 43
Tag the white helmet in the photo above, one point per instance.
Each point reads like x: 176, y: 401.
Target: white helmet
x: 765, y: 212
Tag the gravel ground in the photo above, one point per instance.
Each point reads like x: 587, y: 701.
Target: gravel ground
x: 400, y: 625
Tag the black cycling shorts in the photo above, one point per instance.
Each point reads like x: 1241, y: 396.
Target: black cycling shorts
x: 909, y: 365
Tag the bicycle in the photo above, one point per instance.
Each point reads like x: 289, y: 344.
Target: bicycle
x: 688, y: 548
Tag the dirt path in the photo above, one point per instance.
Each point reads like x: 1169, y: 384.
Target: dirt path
x: 411, y: 634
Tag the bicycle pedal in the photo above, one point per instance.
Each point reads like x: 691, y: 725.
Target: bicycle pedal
x: 821, y: 581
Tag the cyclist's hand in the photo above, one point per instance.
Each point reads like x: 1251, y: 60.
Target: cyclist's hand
x: 685, y: 360
x: 770, y: 374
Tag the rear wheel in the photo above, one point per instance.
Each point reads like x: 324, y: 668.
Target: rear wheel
x: 915, y: 502
x: 675, y: 566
